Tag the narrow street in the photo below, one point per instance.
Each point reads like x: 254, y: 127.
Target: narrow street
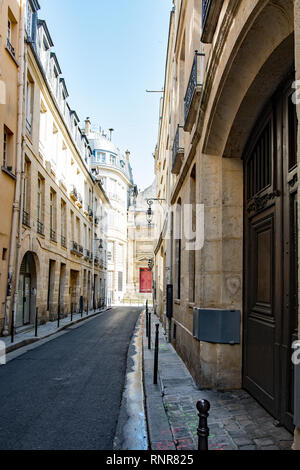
x: 66, y: 394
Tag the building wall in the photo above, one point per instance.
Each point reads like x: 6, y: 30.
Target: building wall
x: 242, y: 65
x: 9, y: 76
x: 62, y: 240
x: 140, y: 244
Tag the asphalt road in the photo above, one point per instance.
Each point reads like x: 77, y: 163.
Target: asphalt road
x: 66, y: 394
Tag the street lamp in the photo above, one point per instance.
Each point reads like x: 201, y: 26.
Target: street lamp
x: 149, y: 213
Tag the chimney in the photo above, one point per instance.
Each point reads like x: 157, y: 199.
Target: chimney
x: 110, y: 134
x: 87, y: 126
x: 127, y: 155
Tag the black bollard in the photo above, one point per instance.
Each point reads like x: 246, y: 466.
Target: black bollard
x: 12, y: 326
x: 149, y: 329
x: 87, y: 308
x: 36, y: 321
x: 58, y: 318
x: 203, y: 406
x: 156, y: 355
x: 147, y: 323
x: 72, y: 311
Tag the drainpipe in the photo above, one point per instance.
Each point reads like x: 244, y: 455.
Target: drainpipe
x: 16, y: 217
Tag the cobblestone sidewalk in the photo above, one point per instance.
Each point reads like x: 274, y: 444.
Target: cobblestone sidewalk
x: 236, y: 420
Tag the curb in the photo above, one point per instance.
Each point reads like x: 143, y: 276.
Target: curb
x: 159, y: 430
x: 26, y: 342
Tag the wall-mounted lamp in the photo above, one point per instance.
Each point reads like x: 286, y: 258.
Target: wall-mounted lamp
x: 150, y: 213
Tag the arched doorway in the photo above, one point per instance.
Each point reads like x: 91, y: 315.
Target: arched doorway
x: 27, y: 291
x: 271, y: 256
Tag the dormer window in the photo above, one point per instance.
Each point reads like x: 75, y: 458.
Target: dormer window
x: 29, y: 20
x: 11, y: 33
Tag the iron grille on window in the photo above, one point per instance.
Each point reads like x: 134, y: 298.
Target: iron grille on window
x: 52, y: 235
x: 40, y: 227
x: 259, y: 163
x: 26, y: 218
x: 10, y: 47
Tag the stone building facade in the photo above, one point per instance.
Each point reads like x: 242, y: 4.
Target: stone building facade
x: 140, y: 248
x: 114, y: 171
x: 227, y: 166
x: 11, y: 24
x: 59, y: 234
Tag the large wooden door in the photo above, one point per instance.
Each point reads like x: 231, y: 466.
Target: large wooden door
x: 270, y: 258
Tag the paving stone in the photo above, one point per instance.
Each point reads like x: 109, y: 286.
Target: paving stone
x: 265, y: 441
x: 250, y: 447
x: 242, y: 441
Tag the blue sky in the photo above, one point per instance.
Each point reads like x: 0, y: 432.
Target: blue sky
x: 110, y: 52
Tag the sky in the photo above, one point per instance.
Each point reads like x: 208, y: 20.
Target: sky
x: 110, y: 52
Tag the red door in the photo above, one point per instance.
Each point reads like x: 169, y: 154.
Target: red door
x: 145, y: 281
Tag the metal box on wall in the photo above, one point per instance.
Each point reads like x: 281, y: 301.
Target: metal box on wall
x: 217, y: 326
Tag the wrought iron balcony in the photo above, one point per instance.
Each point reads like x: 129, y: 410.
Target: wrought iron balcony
x: 80, y: 250
x: 210, y: 14
x: 178, y: 150
x: 26, y: 219
x: 74, y: 247
x: 40, y: 227
x: 194, y: 91
x: 74, y: 193
x: 87, y: 255
x: 52, y: 235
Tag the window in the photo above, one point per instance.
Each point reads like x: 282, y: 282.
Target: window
x: 26, y: 194
x: 7, y: 149
x: 52, y: 215
x: 63, y: 223
x: 29, y: 103
x: 9, y: 28
x: 112, y: 160
x: 29, y: 22
x: 40, y: 203
x: 110, y: 252
x: 177, y: 237
x: 11, y: 33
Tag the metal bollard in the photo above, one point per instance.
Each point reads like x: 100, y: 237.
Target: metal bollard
x: 203, y: 406
x: 36, y: 321
x: 156, y: 355
x: 149, y: 329
x: 87, y: 308
x: 72, y: 311
x: 58, y: 318
x: 147, y: 323
x: 12, y: 326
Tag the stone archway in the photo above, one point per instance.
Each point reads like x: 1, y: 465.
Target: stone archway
x: 27, y: 291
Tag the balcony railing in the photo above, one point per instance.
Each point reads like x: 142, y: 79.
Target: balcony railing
x: 40, y: 227
x: 26, y: 219
x: 74, y: 193
x: 74, y: 247
x: 87, y: 254
x: 210, y: 15
x: 178, y: 150
x: 52, y: 235
x: 10, y: 47
x: 63, y: 241
x: 194, y: 90
x: 80, y: 250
